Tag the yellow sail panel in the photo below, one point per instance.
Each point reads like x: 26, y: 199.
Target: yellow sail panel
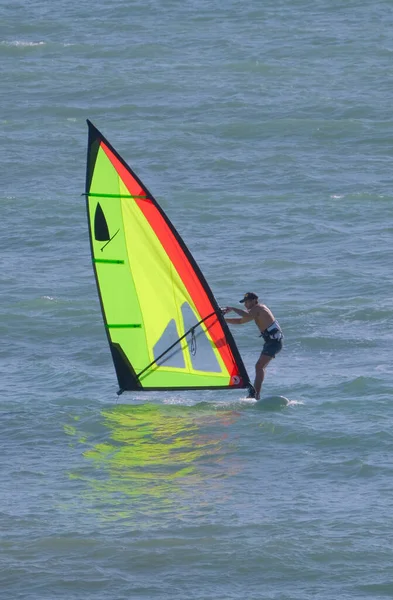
x: 160, y: 290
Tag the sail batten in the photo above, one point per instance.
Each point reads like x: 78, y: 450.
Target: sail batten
x: 124, y: 326
x: 115, y: 196
x: 163, y: 324
x: 108, y: 261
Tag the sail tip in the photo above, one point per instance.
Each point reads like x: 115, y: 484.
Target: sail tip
x: 93, y: 131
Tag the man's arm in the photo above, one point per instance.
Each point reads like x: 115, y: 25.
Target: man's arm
x: 245, y: 317
x: 238, y: 311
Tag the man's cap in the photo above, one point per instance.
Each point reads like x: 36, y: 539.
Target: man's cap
x: 249, y: 296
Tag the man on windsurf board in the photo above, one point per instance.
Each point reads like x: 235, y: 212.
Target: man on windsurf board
x: 269, y: 328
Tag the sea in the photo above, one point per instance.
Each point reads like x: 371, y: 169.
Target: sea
x: 265, y: 132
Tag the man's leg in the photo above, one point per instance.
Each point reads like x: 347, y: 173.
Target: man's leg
x: 260, y: 366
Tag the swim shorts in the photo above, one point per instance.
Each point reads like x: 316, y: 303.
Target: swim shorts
x: 273, y: 338
x: 272, y: 347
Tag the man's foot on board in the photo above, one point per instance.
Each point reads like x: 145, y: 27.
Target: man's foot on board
x: 251, y: 392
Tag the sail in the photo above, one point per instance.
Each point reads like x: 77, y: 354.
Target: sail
x: 163, y: 324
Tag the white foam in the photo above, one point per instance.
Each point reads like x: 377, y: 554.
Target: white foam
x: 22, y: 44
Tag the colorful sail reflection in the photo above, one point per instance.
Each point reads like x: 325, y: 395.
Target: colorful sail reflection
x: 164, y: 327
x: 158, y: 456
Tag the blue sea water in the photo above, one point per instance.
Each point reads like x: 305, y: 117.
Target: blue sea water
x: 265, y: 131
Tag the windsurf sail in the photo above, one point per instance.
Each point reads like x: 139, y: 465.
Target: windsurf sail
x: 164, y: 326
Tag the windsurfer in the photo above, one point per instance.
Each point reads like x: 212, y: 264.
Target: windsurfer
x: 269, y: 328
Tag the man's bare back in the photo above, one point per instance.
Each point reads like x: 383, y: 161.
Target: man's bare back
x: 262, y: 316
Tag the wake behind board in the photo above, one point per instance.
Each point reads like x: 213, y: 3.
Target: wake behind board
x: 273, y: 402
